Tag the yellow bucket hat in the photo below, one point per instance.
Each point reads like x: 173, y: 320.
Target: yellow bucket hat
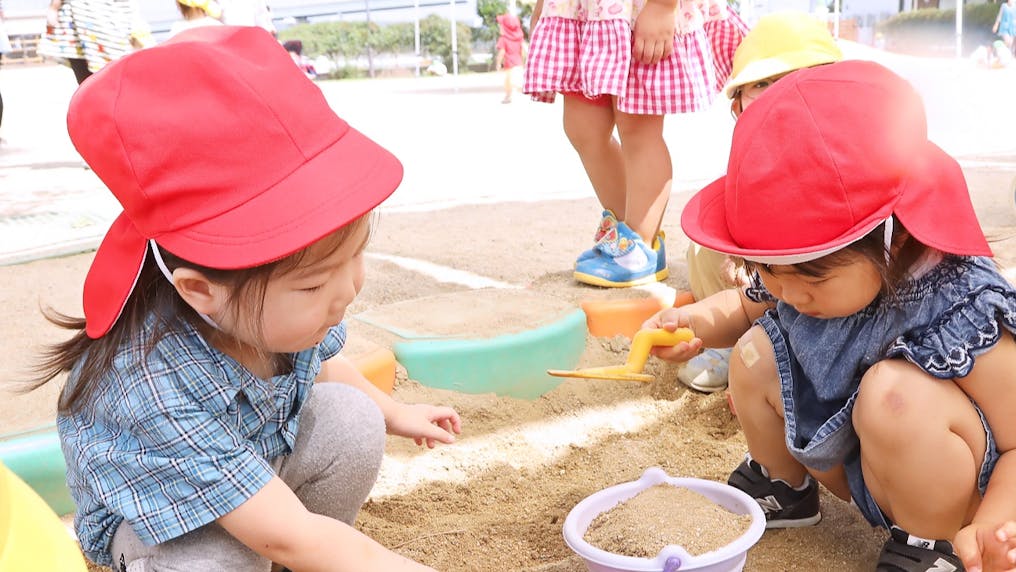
x: 210, y: 7
x: 780, y: 43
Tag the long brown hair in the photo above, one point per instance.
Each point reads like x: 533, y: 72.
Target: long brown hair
x: 154, y: 295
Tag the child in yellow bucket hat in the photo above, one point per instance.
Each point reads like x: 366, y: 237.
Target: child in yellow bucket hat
x: 777, y: 45
x: 196, y: 13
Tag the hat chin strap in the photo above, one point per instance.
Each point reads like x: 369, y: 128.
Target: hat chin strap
x: 788, y: 259
x: 887, y: 237
x: 169, y: 276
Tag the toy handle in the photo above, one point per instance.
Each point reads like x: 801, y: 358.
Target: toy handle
x: 644, y: 341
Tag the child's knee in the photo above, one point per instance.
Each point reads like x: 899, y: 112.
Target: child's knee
x: 752, y: 363
x: 884, y: 393
x: 344, y: 420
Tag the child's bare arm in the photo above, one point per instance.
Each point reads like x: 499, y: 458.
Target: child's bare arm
x: 992, y: 385
x: 718, y: 321
x: 425, y: 424
x: 537, y: 10
x: 276, y: 525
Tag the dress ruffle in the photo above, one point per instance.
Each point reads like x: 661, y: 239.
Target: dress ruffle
x: 973, y: 325
x: 593, y: 58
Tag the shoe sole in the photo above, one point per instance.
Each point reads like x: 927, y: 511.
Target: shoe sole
x: 707, y: 389
x: 796, y: 523
x: 597, y: 281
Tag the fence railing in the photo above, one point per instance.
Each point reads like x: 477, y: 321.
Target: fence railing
x: 24, y: 50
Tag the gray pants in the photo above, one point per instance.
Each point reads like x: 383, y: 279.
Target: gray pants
x: 332, y: 468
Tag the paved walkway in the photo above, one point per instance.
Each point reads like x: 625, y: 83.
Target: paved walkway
x: 458, y: 143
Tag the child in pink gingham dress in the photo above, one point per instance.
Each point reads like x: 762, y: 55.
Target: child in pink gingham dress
x: 583, y: 49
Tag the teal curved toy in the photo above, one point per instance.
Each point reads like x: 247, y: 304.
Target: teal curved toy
x: 513, y: 365
x: 36, y: 458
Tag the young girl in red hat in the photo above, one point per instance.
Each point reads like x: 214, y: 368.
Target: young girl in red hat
x: 627, y: 64
x: 195, y: 435
x: 873, y: 349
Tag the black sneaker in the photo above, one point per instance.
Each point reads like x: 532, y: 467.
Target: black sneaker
x: 785, y: 506
x: 904, y: 552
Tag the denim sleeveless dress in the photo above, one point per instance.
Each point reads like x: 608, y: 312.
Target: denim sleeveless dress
x: 940, y: 321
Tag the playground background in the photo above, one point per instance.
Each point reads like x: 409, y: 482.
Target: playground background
x: 495, y: 500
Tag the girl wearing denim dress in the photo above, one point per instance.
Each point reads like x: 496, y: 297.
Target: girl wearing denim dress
x: 628, y: 63
x: 873, y: 349
x: 195, y: 435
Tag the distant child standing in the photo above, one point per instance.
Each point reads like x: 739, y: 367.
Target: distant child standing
x: 1005, y: 24
x: 88, y: 34
x: 778, y: 44
x: 628, y: 63
x: 511, y: 51
x: 195, y: 435
x: 873, y: 349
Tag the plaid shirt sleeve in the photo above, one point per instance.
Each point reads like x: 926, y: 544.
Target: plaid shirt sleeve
x: 188, y: 465
x: 176, y: 463
x: 178, y: 437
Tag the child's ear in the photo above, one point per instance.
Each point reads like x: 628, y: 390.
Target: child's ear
x: 200, y: 293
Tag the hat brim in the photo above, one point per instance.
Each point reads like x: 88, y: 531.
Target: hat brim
x: 934, y: 206
x: 292, y: 214
x: 770, y: 67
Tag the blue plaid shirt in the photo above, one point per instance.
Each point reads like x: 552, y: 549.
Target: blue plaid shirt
x: 179, y: 437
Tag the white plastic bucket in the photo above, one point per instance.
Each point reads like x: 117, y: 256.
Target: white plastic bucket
x: 672, y: 558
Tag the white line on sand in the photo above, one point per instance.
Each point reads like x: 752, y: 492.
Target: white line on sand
x: 532, y: 445
x: 442, y: 273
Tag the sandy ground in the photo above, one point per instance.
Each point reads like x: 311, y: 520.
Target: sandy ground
x: 496, y: 500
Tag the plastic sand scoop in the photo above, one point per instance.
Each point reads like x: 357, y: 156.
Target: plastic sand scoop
x: 641, y: 344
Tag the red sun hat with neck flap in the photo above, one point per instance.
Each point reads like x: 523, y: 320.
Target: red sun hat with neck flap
x: 221, y: 151
x: 821, y: 159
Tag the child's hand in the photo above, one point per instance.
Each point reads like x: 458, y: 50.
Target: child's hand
x: 670, y: 319
x: 987, y: 548
x: 654, y: 33
x: 424, y: 423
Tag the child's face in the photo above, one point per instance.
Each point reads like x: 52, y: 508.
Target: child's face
x: 747, y: 94
x: 301, y: 305
x: 842, y: 291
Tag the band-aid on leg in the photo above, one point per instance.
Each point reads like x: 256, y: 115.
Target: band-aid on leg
x: 749, y: 354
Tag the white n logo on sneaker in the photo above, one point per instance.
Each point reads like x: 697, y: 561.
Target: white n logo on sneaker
x: 769, y: 504
x: 941, y: 565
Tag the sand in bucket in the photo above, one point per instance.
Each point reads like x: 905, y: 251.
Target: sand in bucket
x: 674, y: 527
x: 665, y: 514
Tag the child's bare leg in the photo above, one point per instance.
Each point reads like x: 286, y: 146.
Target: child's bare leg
x: 755, y: 389
x: 647, y: 169
x: 590, y: 129
x: 922, y: 444
x: 507, y: 84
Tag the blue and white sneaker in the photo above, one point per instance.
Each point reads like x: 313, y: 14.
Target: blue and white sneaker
x: 607, y: 224
x: 625, y: 260
x: 706, y: 372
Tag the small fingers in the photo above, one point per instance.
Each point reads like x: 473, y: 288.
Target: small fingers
x: 638, y: 51
x: 668, y: 49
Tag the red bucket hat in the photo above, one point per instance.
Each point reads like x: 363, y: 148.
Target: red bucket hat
x: 823, y: 158
x: 223, y: 152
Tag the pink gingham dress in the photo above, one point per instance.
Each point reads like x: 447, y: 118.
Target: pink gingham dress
x: 584, y: 47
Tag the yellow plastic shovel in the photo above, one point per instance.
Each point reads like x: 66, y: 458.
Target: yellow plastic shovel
x: 643, y: 341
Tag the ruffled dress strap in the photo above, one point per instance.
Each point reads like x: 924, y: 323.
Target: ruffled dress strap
x: 982, y: 311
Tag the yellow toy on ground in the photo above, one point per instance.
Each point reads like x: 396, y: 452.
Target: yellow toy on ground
x: 641, y: 344
x: 32, y: 538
